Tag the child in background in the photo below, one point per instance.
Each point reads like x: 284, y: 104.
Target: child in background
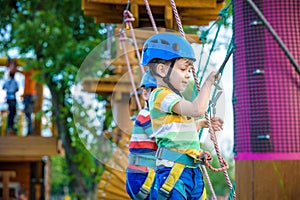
x: 170, y: 60
x: 141, y: 162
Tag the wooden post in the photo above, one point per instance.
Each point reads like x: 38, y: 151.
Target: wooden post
x: 6, y: 175
x: 3, y: 122
x: 267, y: 179
x: 47, y: 179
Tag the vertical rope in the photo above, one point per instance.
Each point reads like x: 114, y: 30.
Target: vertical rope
x: 178, y: 21
x: 209, y: 183
x: 219, y: 155
x: 128, y: 17
x: 151, y: 16
x: 122, y: 39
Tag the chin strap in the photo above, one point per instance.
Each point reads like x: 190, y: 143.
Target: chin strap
x: 166, y: 79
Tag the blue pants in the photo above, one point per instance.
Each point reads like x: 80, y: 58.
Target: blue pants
x: 12, y: 109
x: 189, y: 186
x: 134, y: 182
x: 28, y: 109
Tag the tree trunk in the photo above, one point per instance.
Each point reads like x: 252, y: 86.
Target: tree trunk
x: 77, y: 184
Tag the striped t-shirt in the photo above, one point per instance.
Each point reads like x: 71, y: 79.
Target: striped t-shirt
x: 142, y: 140
x: 171, y: 130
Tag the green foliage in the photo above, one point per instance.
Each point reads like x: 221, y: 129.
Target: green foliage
x: 55, y: 37
x: 59, y: 178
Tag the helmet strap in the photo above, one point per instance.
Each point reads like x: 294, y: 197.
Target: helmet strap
x: 166, y: 79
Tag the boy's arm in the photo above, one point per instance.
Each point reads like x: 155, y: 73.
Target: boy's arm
x: 200, y: 104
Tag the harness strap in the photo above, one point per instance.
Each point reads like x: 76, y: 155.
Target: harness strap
x: 164, y: 191
x: 145, y: 189
x: 177, y: 157
x: 142, y: 160
x: 204, y: 194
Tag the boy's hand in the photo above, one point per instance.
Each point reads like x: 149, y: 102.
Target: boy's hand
x: 217, y: 123
x: 213, y: 77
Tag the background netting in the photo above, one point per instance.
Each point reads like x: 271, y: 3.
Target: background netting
x: 266, y: 93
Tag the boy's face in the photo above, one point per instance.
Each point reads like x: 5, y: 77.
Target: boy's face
x: 181, y: 73
x: 146, y: 93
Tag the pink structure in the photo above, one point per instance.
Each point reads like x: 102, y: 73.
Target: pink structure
x: 266, y: 96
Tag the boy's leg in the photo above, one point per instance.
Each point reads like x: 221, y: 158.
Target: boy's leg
x: 28, y: 110
x: 11, y: 114
x: 197, y: 190
x: 177, y: 193
x: 189, y: 185
x: 134, y: 182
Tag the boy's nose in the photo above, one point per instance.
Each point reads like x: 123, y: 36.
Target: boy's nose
x: 188, y: 75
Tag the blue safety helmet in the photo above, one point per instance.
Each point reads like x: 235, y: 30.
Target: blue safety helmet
x: 166, y: 46
x: 148, y: 80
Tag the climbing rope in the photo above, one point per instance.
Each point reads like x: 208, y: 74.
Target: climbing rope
x: 122, y: 39
x: 176, y: 15
x: 151, y: 16
x: 214, y: 197
x: 128, y: 19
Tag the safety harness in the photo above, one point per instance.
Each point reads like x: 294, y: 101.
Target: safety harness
x: 147, y: 160
x: 181, y: 161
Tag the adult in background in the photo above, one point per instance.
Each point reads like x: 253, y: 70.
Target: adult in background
x: 11, y: 86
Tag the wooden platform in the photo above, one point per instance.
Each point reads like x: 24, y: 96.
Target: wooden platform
x: 30, y: 148
x: 107, y: 85
x: 192, y: 12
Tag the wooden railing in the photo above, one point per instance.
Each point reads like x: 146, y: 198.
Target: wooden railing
x: 20, y: 123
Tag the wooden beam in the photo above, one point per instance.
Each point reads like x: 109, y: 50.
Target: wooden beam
x: 134, y: 8
x: 179, y: 3
x: 201, y: 11
x: 109, y: 188
x: 107, y: 84
x: 169, y: 17
x: 143, y: 34
x: 106, y: 195
x: 22, y: 158
x: 112, y: 20
x: 31, y: 146
x: 3, y: 61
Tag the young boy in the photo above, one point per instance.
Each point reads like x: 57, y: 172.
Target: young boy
x: 142, y: 147
x: 170, y: 59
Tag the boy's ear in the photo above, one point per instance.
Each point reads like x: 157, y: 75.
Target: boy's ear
x: 162, y: 69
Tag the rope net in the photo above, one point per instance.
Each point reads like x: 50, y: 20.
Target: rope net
x: 266, y: 96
